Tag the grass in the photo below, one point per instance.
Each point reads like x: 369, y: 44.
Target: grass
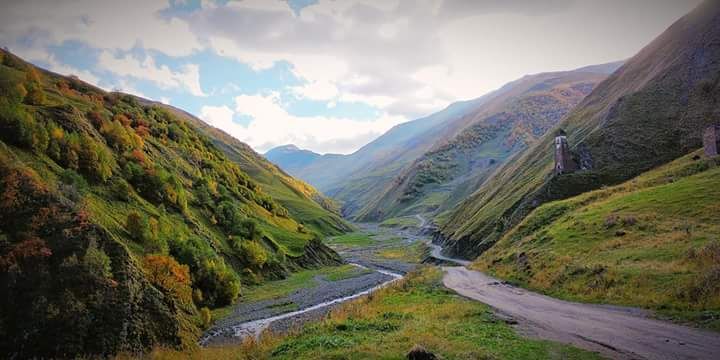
x: 401, y: 222
x: 299, y: 280
x: 354, y: 239
x: 651, y: 242
x: 387, y: 324
x: 412, y: 254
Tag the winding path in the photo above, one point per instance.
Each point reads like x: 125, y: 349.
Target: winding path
x: 616, y: 332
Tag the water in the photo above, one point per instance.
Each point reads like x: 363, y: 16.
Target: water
x: 256, y: 327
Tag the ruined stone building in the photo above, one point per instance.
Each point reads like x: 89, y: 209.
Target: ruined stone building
x: 711, y: 140
x: 563, y: 160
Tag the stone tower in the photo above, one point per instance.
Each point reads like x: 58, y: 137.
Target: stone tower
x: 563, y: 161
x: 711, y: 140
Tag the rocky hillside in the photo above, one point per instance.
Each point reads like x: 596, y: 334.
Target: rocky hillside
x: 491, y: 133
x: 650, y: 111
x: 122, y: 221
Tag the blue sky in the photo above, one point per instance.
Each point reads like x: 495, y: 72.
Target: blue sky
x: 326, y: 75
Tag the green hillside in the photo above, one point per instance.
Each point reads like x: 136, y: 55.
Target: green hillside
x: 122, y: 222
x: 494, y: 131
x: 304, y: 203
x: 650, y: 242
x: 650, y: 111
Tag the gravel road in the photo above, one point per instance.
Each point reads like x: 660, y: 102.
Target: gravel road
x: 616, y: 332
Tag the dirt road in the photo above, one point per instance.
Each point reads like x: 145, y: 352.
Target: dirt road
x: 619, y: 333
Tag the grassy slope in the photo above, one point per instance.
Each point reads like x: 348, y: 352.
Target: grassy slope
x: 304, y: 202
x: 184, y: 181
x: 387, y: 324
x: 650, y: 242
x: 494, y: 131
x: 649, y: 112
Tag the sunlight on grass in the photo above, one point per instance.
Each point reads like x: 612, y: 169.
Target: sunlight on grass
x: 388, y: 323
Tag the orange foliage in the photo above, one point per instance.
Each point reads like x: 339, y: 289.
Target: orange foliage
x: 138, y: 155
x: 32, y: 75
x: 167, y: 274
x: 142, y: 131
x: 122, y: 119
x: 32, y: 248
x: 96, y: 119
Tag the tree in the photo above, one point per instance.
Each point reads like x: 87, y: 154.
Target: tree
x: 96, y: 261
x: 167, y: 274
x: 219, y: 284
x: 35, y: 95
x: 253, y: 253
x: 95, y: 160
x: 137, y: 226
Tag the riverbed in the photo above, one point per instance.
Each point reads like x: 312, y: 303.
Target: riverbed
x: 321, y: 293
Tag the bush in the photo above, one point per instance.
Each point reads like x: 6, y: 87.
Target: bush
x: 35, y: 96
x: 137, y: 226
x: 97, y: 262
x: 206, y: 317
x: 168, y: 275
x: 219, y: 284
x: 228, y: 215
x: 254, y: 253
x: 95, y: 160
x: 248, y: 229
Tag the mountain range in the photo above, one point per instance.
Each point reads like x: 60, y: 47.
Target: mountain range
x: 427, y: 165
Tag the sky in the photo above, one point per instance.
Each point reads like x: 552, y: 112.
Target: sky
x: 326, y: 75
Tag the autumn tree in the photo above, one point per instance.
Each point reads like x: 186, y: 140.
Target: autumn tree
x: 170, y: 276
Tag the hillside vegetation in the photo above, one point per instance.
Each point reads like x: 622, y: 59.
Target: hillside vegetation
x: 122, y: 222
x: 650, y: 242
x: 649, y: 112
x: 453, y: 168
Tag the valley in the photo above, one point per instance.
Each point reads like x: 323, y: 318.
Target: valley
x: 292, y: 188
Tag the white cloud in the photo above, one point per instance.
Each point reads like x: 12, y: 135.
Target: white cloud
x: 126, y: 65
x: 417, y: 56
x: 271, y: 125
x: 100, y: 24
x: 406, y: 58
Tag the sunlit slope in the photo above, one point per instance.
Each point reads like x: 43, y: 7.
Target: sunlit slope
x: 650, y: 242
x: 649, y: 112
x: 304, y: 203
x: 493, y: 132
x: 122, y: 221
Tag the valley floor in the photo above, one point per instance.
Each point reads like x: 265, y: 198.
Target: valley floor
x: 451, y: 311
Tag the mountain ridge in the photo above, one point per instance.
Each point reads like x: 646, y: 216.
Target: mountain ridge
x: 650, y: 111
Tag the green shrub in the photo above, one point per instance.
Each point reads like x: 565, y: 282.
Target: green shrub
x: 254, y: 253
x: 95, y: 160
x: 219, y: 284
x: 35, y: 96
x: 206, y: 317
x: 97, y: 262
x: 137, y: 225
